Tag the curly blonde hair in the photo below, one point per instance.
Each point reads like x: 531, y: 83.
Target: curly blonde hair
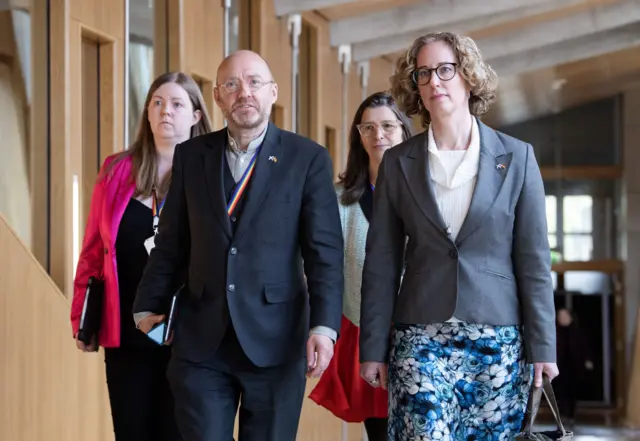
x: 479, y: 76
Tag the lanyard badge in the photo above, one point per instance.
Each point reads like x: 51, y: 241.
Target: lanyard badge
x: 156, y: 209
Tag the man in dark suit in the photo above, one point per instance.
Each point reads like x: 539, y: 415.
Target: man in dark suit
x: 251, y: 210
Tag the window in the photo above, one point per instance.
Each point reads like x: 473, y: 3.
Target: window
x: 577, y: 226
x: 552, y: 220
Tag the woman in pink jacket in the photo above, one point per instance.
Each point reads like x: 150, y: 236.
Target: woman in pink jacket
x: 127, y: 198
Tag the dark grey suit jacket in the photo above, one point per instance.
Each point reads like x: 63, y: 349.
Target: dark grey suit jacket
x: 253, y: 278
x: 498, y: 270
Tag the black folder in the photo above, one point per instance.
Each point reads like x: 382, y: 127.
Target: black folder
x: 91, y: 311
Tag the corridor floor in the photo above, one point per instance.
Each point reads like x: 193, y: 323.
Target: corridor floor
x: 584, y: 432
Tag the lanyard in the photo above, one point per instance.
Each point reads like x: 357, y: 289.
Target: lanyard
x: 156, y: 209
x: 241, y: 186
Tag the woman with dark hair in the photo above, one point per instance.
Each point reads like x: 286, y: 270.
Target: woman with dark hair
x: 126, y: 204
x: 378, y: 125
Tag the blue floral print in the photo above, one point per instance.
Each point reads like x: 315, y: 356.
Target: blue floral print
x: 456, y: 381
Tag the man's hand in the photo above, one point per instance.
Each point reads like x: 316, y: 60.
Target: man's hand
x: 147, y: 323
x: 319, y: 354
x: 374, y: 373
x: 550, y: 369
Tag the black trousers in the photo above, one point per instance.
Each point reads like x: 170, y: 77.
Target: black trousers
x: 208, y: 394
x: 142, y: 406
x: 376, y: 429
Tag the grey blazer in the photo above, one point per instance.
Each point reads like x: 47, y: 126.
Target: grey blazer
x: 498, y: 270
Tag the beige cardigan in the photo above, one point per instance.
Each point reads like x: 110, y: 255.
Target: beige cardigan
x: 354, y: 232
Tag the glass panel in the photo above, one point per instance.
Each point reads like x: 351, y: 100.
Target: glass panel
x: 578, y: 247
x: 141, y: 72
x: 577, y: 214
x: 552, y: 213
x: 15, y: 101
x: 587, y: 282
x: 234, y: 26
x: 602, y: 198
x: 553, y: 241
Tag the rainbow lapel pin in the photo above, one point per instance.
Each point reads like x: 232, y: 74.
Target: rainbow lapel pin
x: 273, y: 159
x: 501, y: 167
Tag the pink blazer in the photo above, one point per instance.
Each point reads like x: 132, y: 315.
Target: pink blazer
x: 111, y: 195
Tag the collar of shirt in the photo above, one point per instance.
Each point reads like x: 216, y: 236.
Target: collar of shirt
x: 253, y: 145
x: 468, y: 168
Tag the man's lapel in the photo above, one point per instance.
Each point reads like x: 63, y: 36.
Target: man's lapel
x: 214, y: 177
x: 268, y: 162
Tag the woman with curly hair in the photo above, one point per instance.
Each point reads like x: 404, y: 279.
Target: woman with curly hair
x: 474, y: 308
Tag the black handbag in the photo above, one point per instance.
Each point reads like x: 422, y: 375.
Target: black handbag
x: 91, y: 312
x: 533, y: 405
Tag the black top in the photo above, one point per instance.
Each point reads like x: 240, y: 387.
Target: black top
x: 366, y: 202
x: 136, y: 226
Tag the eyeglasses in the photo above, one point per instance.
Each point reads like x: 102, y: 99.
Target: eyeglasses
x: 234, y: 85
x: 445, y: 72
x: 371, y: 129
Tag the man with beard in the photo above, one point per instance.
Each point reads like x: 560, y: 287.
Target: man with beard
x: 251, y: 210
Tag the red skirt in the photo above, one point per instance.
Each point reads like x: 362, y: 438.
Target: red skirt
x: 341, y: 390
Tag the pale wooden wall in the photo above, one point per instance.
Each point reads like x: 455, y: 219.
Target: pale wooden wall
x: 50, y: 390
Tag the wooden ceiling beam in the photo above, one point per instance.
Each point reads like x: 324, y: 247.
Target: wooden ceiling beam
x: 415, y: 17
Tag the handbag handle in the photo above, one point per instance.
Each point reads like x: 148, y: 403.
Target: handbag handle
x: 533, y: 405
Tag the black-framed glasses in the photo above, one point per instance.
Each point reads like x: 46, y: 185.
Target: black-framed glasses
x: 235, y: 84
x: 445, y: 71
x: 371, y: 129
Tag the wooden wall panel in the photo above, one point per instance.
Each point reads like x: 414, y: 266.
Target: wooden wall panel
x: 106, y: 17
x: 90, y: 118
x: 195, y: 39
x: 71, y: 21
x: 380, y: 70
x: 329, y: 87
x: 203, y: 46
x: 275, y: 47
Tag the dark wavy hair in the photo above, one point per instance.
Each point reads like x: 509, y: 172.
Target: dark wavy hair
x: 356, y: 176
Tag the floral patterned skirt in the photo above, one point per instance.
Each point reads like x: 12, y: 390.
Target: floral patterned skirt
x: 457, y: 381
